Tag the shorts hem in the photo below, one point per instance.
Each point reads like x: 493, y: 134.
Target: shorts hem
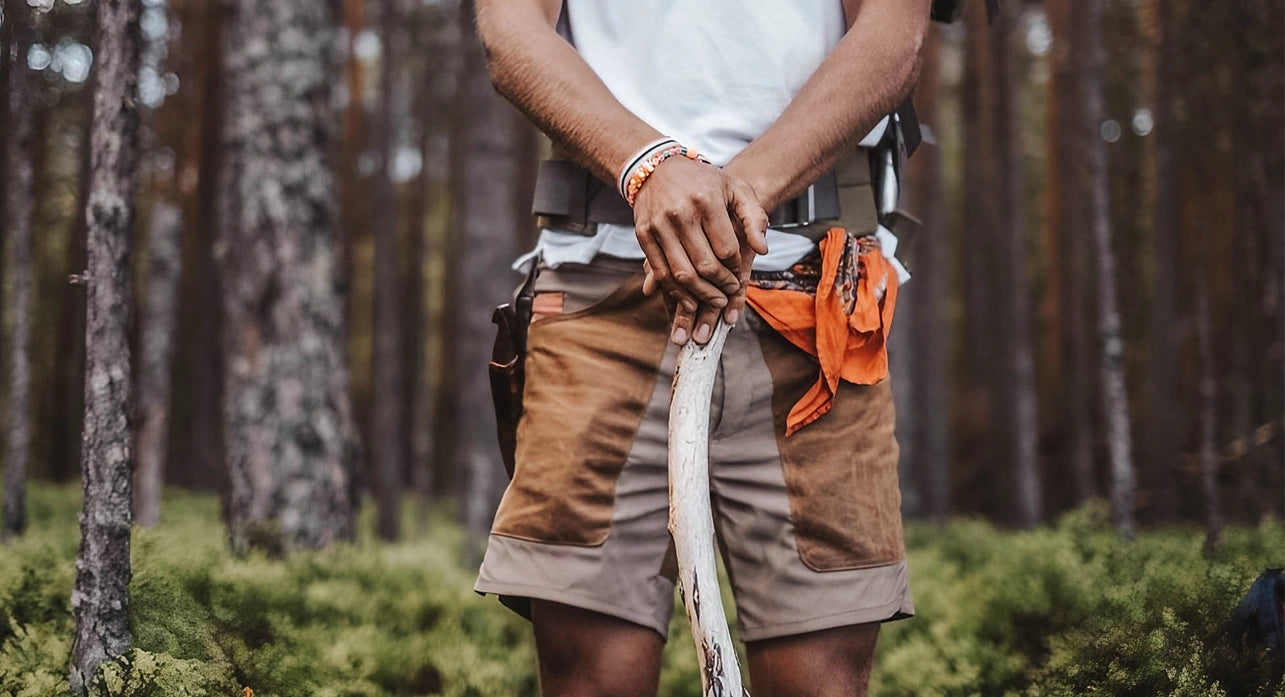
x: 899, y: 609
x: 584, y: 602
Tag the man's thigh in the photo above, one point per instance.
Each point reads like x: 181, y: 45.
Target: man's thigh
x: 829, y: 663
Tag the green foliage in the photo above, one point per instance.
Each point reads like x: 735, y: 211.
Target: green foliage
x: 1072, y: 610
x: 1055, y: 612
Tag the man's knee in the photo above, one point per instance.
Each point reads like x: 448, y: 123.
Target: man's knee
x: 829, y: 663
x: 589, y: 654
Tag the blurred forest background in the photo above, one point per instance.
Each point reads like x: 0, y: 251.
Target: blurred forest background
x: 329, y: 195
x: 1035, y: 368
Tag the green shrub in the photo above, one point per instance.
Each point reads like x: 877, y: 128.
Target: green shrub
x: 1055, y: 612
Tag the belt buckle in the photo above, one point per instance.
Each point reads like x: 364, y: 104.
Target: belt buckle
x: 807, y: 200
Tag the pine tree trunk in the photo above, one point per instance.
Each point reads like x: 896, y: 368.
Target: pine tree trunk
x: 287, y: 419
x: 196, y: 449
x: 1115, y: 399
x: 1208, y: 408
x: 1019, y: 381
x: 487, y: 193
x: 980, y: 246
x: 436, y: 36
x: 1066, y: 193
x: 156, y: 344
x: 930, y: 375
x: 18, y: 205
x: 387, y: 446
x: 1164, y: 407
x: 100, y: 597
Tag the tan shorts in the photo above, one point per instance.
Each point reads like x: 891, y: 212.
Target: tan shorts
x: 809, y: 526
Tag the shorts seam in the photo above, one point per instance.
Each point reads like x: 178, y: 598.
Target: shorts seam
x: 584, y: 602
x: 876, y: 613
x: 555, y: 543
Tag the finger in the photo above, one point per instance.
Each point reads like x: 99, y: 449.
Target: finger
x: 705, y: 320
x: 721, y: 236
x: 704, y: 260
x: 753, y: 219
x: 654, y: 264
x: 684, y: 318
x: 649, y: 285
x: 736, y: 304
x: 682, y: 273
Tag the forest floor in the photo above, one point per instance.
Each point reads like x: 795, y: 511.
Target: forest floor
x: 1062, y: 610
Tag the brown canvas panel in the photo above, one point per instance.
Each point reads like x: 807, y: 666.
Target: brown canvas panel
x: 845, y: 501
x: 583, y: 404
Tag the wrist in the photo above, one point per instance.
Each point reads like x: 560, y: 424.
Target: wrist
x: 640, y: 167
x: 756, y: 180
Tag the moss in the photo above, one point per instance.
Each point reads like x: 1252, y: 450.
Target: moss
x: 1059, y: 611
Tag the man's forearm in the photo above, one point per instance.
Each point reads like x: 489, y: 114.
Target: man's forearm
x: 542, y: 75
x: 868, y: 74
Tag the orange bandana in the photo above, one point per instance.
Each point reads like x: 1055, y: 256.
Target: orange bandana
x: 844, y: 323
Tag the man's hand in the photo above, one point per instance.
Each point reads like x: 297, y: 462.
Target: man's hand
x: 700, y: 230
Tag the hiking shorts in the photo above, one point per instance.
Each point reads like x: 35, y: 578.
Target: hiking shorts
x: 809, y: 525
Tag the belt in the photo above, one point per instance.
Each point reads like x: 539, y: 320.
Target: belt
x: 569, y: 198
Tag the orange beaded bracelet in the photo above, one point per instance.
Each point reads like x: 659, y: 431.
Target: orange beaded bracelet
x: 634, y: 179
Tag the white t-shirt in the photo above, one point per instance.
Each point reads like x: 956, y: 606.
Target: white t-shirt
x: 713, y: 74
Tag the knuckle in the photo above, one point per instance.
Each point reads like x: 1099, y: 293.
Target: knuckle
x: 684, y: 276
x: 708, y: 267
x: 702, y: 200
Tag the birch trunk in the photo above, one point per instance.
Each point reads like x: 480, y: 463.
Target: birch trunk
x: 18, y: 205
x: 287, y: 419
x: 1115, y: 399
x: 691, y: 521
x: 100, y: 597
x: 156, y: 341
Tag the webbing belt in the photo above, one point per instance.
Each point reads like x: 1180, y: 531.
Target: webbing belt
x: 569, y: 198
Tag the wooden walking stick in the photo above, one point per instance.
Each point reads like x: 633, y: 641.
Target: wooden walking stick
x: 691, y: 521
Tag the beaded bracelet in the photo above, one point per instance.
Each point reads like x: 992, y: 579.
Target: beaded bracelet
x: 639, y: 173
x: 638, y: 158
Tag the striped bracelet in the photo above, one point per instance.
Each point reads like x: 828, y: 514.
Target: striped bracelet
x: 642, y: 164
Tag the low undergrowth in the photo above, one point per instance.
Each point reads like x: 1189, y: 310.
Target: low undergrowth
x: 1061, y: 611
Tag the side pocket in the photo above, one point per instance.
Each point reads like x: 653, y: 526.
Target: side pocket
x: 589, y: 376
x: 840, y: 470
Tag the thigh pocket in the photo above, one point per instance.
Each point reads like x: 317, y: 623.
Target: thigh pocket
x: 840, y: 470
x: 589, y: 376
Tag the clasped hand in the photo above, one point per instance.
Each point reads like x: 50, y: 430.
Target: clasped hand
x: 700, y: 229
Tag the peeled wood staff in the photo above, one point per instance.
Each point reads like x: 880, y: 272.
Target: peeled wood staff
x: 691, y: 522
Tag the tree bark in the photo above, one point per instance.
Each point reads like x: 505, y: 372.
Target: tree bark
x: 930, y: 382
x: 287, y: 419
x: 156, y: 343
x: 982, y: 425
x: 488, y: 190
x: 100, y: 597
x: 1019, y: 382
x: 1208, y: 412
x: 1115, y: 398
x: 1164, y: 406
x: 437, y: 34
x: 196, y: 448
x: 1066, y: 192
x: 18, y: 206
x: 387, y: 447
